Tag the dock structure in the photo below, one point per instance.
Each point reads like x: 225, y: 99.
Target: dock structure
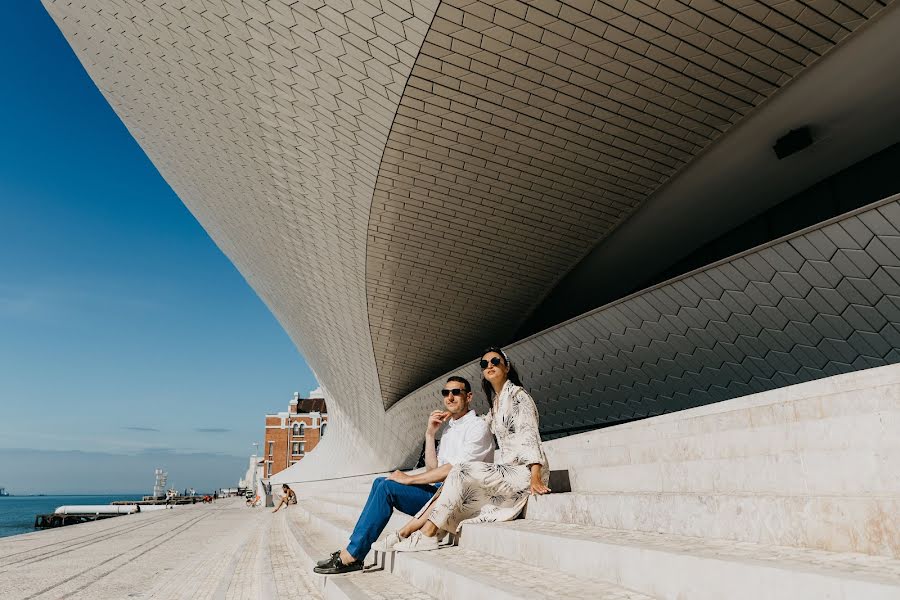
x: 54, y: 520
x: 223, y: 550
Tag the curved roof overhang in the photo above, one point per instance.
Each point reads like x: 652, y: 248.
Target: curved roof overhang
x: 849, y: 102
x: 529, y: 131
x: 404, y: 181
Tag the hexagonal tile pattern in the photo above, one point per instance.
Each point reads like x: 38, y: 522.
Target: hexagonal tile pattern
x: 529, y: 129
x: 820, y: 303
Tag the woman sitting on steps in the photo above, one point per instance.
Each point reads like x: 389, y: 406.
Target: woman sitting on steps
x: 478, y: 492
x: 288, y: 497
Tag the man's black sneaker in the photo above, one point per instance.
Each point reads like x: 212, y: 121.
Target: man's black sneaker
x: 336, y: 567
x: 327, y: 561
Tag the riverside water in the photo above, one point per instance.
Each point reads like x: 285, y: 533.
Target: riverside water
x: 17, y: 512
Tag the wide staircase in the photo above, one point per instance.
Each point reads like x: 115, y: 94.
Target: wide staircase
x: 785, y: 495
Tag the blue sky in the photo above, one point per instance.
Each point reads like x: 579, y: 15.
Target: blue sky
x: 124, y: 330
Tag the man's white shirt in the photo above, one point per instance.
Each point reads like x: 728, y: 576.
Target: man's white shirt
x: 467, y: 439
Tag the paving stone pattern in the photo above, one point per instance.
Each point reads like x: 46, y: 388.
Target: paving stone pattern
x: 218, y: 551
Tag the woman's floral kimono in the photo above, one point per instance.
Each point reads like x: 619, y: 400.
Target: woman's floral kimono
x: 477, y: 492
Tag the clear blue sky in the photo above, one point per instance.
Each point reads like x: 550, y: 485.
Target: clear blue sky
x: 124, y: 331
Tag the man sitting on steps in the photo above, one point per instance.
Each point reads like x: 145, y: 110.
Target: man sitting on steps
x: 467, y: 438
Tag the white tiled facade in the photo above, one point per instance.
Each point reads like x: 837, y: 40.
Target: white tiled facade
x: 402, y: 182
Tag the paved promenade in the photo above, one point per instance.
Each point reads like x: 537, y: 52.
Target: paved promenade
x: 225, y: 551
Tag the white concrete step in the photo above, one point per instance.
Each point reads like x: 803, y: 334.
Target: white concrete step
x: 343, y: 496
x: 351, y: 508
x: 836, y: 472
x: 678, y: 567
x: 865, y: 431
x: 864, y: 524
x: 311, y: 547
x: 308, y: 544
x: 335, y: 522
x: 285, y: 556
x: 453, y: 573
x: 472, y: 577
x: 861, y: 392
x: 372, y: 585
x: 315, y: 540
x: 350, y: 513
x: 842, y: 443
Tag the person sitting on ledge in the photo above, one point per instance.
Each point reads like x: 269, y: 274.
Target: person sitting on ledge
x: 481, y: 492
x: 288, y: 497
x: 467, y: 438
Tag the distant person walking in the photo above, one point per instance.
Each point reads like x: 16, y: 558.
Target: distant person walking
x: 288, y: 497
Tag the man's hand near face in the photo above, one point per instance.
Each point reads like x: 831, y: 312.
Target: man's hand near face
x: 435, y: 420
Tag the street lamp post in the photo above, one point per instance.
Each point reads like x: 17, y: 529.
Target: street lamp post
x: 255, y: 461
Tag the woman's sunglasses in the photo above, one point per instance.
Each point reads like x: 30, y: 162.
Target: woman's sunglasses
x: 454, y: 391
x: 494, y: 361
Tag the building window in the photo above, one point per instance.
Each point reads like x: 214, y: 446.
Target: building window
x: 295, y: 448
x: 268, y: 469
x: 322, y: 430
x: 298, y: 429
x: 271, y: 448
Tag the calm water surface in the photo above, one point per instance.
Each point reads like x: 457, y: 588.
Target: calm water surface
x: 17, y: 512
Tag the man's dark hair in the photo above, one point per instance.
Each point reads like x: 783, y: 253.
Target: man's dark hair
x: 461, y: 380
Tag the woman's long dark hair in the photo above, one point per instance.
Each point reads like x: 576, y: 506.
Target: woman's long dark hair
x: 512, y: 375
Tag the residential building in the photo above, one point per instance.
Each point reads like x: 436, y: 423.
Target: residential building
x: 292, y: 434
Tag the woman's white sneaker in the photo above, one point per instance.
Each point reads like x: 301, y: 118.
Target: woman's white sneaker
x: 387, y: 543
x: 417, y: 542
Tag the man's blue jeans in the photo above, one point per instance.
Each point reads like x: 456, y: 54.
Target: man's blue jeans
x: 384, y: 497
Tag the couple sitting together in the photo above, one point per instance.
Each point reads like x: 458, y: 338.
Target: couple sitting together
x: 475, y: 489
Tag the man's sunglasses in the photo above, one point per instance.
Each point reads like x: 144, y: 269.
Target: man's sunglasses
x: 454, y: 391
x: 494, y: 361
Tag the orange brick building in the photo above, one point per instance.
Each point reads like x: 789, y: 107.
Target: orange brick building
x: 290, y: 435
